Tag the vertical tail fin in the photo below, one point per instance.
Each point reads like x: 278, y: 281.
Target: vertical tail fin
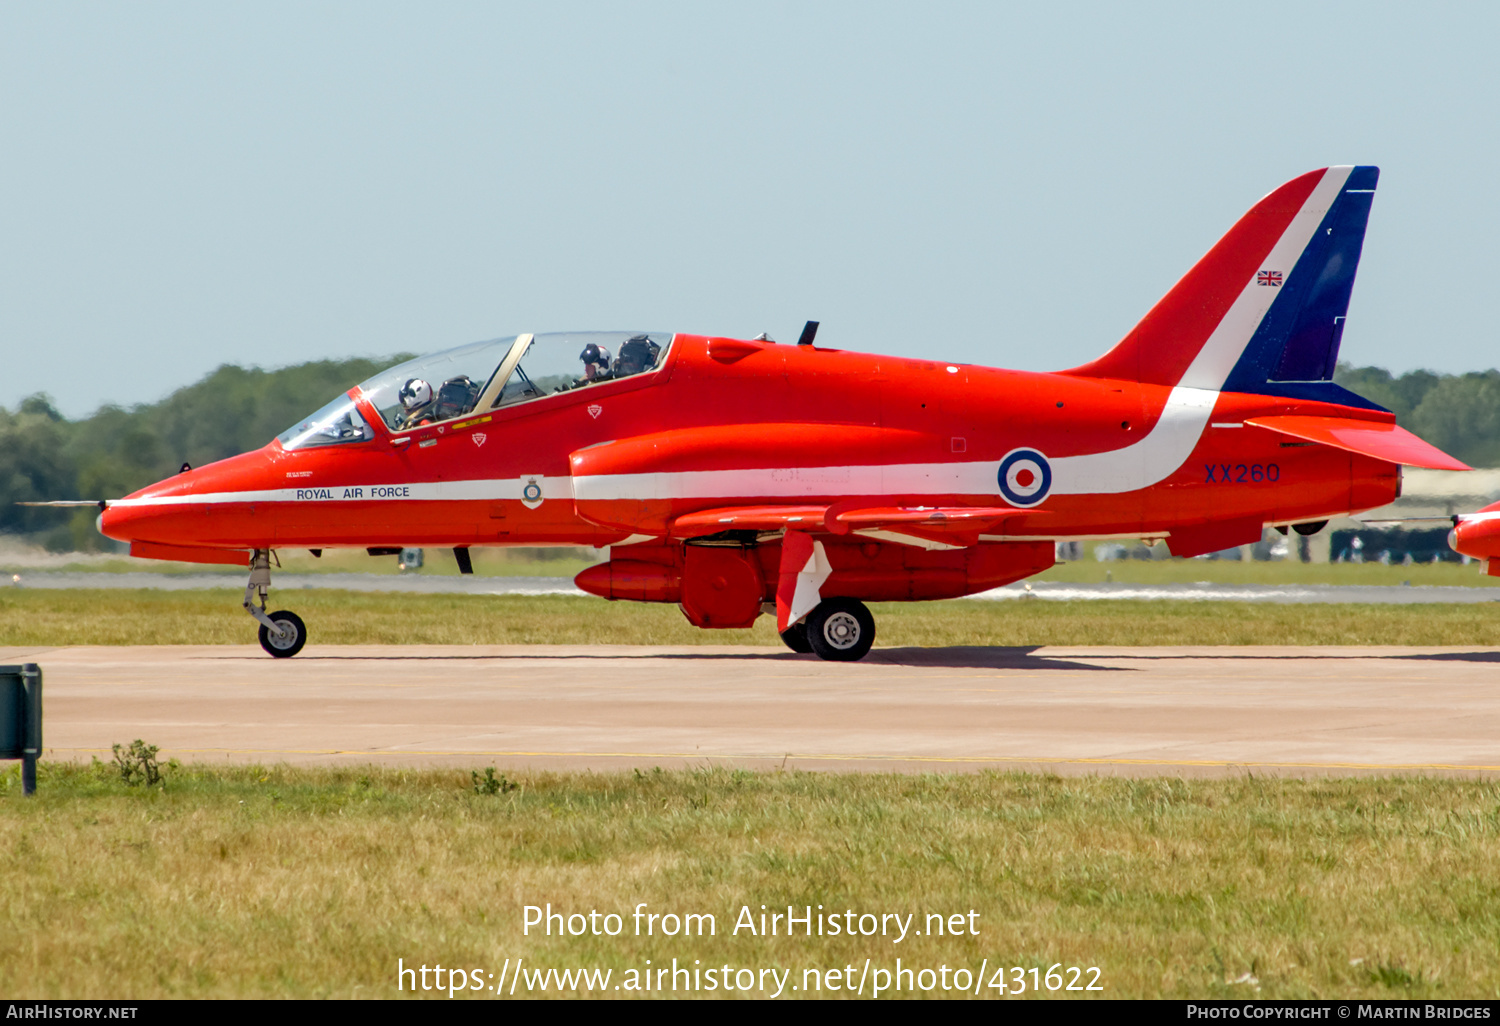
x: 1266, y: 306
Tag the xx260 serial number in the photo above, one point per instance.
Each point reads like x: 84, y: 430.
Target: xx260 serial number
x: 1240, y: 473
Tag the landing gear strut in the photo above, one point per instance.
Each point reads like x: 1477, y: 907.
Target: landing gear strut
x: 282, y: 633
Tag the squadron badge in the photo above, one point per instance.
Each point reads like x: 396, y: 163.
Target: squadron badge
x: 531, y: 490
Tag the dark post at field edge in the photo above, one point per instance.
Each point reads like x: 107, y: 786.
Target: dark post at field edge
x: 21, y: 719
x: 31, y: 675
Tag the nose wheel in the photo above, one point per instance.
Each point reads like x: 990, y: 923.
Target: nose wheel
x: 282, y: 633
x: 292, y: 636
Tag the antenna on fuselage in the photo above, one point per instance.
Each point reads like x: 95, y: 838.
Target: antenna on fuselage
x: 809, y: 332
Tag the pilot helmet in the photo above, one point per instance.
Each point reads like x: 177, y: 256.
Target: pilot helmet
x: 594, y: 355
x: 415, y: 393
x: 638, y: 354
x: 455, y: 396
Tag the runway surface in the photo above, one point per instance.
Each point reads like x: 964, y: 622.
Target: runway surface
x: 1134, y: 711
x: 1052, y: 590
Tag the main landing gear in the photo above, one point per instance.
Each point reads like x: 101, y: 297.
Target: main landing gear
x: 838, y: 629
x: 282, y: 633
x: 795, y: 638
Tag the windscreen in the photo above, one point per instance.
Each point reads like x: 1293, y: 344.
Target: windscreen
x: 435, y: 387
x: 334, y: 424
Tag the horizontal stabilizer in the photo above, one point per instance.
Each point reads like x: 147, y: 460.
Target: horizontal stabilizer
x: 1384, y: 441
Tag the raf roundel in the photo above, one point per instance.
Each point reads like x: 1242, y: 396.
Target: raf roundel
x: 1025, y: 477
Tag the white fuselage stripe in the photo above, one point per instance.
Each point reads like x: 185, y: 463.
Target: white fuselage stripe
x: 1152, y: 459
x: 449, y: 491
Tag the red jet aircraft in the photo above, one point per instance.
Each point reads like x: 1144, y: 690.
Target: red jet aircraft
x: 737, y: 477
x: 1474, y: 534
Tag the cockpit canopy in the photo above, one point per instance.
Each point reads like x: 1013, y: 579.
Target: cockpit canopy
x: 480, y: 377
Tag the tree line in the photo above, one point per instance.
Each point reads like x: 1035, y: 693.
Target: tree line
x: 116, y: 451
x: 43, y: 455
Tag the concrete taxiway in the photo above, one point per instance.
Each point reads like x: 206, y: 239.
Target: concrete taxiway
x: 1135, y: 711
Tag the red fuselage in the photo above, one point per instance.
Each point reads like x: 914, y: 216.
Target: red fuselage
x: 806, y: 426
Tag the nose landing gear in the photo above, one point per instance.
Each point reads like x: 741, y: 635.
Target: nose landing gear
x: 282, y: 633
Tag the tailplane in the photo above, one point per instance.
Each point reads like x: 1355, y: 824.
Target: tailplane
x: 1264, y: 310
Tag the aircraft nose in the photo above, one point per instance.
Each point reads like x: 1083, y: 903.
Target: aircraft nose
x: 201, y: 506
x: 1478, y: 535
x: 118, y: 521
x: 142, y: 515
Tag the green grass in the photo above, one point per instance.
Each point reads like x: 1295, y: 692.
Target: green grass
x: 567, y: 561
x: 280, y: 882
x: 1229, y: 571
x: 150, y: 617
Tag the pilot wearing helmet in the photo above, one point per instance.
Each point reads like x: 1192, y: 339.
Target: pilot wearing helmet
x: 596, y: 364
x: 455, y: 398
x: 416, y: 403
x: 636, y: 355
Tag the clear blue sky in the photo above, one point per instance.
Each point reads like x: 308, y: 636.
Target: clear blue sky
x: 183, y: 185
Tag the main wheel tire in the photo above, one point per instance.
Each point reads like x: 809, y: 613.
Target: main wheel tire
x: 795, y: 638
x: 841, y: 630
x: 290, y: 643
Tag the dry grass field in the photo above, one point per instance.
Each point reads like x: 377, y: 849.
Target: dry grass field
x: 147, y: 617
x: 1232, y: 571
x: 567, y: 561
x: 281, y: 882
x: 306, y: 883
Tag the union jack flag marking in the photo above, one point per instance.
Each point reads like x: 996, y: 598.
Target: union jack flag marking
x: 1271, y: 278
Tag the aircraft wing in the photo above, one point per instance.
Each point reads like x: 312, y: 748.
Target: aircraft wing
x: 1384, y: 441
x: 929, y: 527
x: 934, y: 518
x: 918, y: 525
x: 751, y: 518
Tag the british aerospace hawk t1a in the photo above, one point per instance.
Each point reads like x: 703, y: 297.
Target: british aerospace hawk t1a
x: 739, y: 477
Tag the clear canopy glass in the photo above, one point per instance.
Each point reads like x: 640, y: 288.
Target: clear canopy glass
x: 483, y: 376
x: 455, y: 378
x: 564, y: 361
